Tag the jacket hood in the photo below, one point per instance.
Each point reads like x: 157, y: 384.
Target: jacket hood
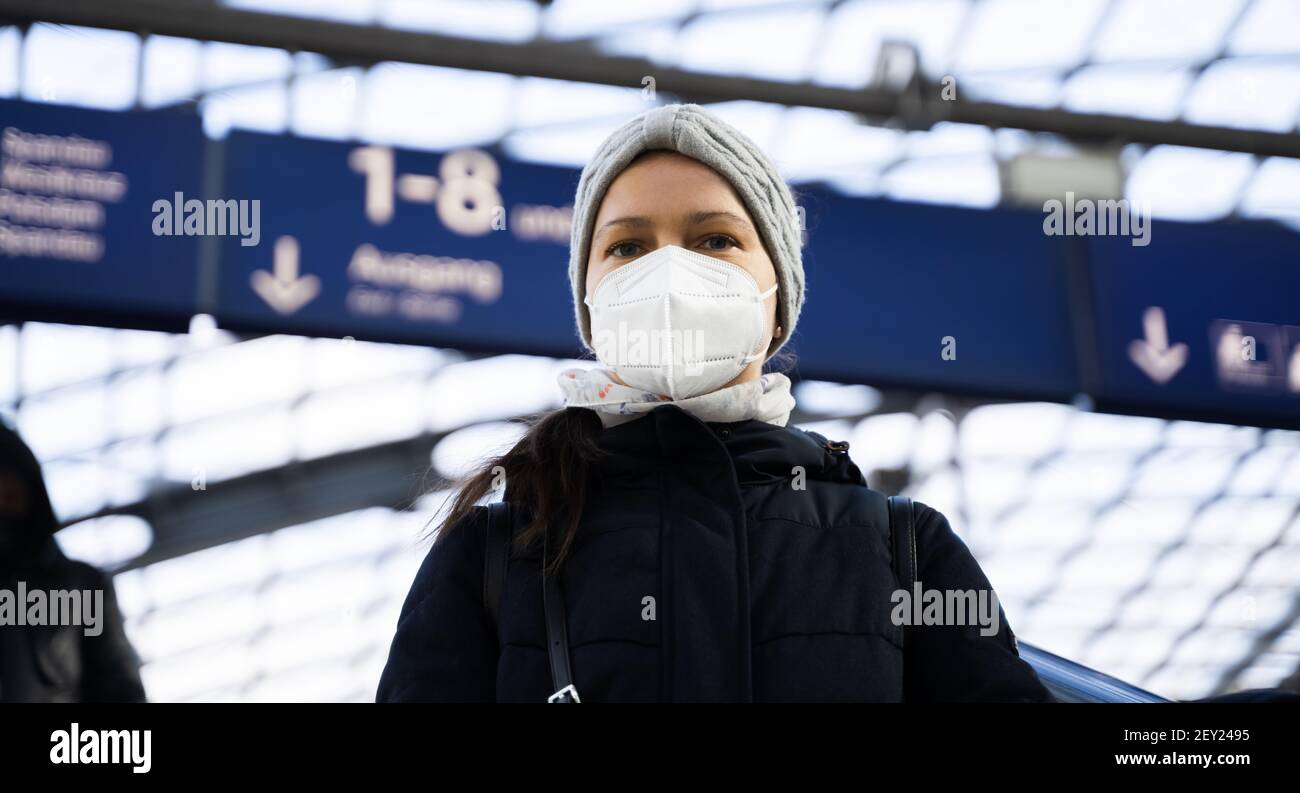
x: 760, y: 451
x: 35, y: 532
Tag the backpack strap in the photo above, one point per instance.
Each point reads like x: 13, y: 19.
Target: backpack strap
x: 496, y: 558
x: 557, y: 635
x: 902, y: 537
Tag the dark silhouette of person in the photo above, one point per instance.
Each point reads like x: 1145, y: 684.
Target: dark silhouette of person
x: 53, y: 663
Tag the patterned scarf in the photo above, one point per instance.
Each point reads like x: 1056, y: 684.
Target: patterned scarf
x: 768, y: 399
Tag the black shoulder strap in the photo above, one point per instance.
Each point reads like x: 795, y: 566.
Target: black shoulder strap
x: 902, y: 535
x: 557, y: 636
x: 496, y: 557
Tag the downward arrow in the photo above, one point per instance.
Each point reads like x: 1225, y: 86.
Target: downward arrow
x: 285, y: 291
x: 1153, y: 354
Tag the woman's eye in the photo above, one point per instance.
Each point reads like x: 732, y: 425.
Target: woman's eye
x: 624, y: 249
x: 719, y: 242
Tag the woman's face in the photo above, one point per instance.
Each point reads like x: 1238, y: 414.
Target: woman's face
x: 665, y: 198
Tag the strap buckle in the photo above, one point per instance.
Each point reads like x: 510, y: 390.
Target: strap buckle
x: 565, y: 695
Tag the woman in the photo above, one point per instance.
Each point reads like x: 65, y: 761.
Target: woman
x: 703, y: 550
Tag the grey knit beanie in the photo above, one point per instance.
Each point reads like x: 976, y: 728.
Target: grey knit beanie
x: 694, y: 132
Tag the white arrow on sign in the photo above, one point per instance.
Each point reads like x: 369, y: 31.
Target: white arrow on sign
x: 1153, y: 354
x: 283, y: 289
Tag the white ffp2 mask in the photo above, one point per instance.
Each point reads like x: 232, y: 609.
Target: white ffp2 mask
x: 678, y: 323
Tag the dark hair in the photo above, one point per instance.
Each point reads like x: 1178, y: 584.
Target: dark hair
x: 547, y: 473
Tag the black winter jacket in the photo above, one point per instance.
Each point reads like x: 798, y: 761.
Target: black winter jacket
x: 702, y: 572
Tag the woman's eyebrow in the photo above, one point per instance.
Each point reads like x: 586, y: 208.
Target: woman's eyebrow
x: 694, y: 219
x: 703, y: 217
x: 634, y: 221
